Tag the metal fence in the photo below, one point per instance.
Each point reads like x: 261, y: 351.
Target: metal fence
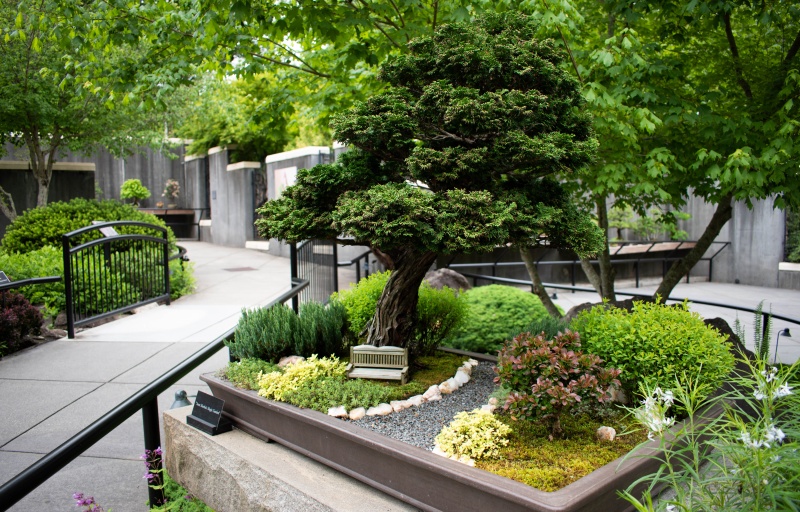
x: 317, y: 262
x: 106, y: 273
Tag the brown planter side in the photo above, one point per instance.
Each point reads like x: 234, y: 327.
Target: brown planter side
x: 414, y: 475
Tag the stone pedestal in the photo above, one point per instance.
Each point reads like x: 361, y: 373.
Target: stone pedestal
x: 238, y: 473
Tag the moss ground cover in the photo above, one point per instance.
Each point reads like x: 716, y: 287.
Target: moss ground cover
x: 533, y: 459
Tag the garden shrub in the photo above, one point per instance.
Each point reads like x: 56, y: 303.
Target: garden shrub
x: 47, y: 261
x: 134, y: 190
x: 322, y: 394
x: 547, y: 377
x: 547, y: 324
x: 276, y: 385
x: 275, y: 332
x: 438, y: 312
x: 245, y: 373
x: 39, y: 227
x: 493, y: 312
x: 473, y: 435
x: 181, y: 278
x: 17, y: 320
x: 655, y: 344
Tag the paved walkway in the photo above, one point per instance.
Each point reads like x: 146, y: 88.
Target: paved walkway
x: 50, y: 392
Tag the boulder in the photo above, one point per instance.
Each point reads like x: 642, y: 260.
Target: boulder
x: 358, y: 413
x: 380, y: 410
x: 432, y: 394
x: 605, y: 434
x: 338, y: 412
x: 445, y: 277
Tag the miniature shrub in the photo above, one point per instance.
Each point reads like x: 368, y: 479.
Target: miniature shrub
x: 181, y: 278
x: 655, y: 344
x: 438, y: 311
x: 39, y: 227
x: 493, y: 312
x: 475, y: 435
x: 548, y: 377
x: 272, y: 333
x: 547, y: 324
x: 295, y: 376
x: 134, y: 190
x: 43, y: 262
x: 322, y: 394
x: 245, y: 373
x: 17, y: 320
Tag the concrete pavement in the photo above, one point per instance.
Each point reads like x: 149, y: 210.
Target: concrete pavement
x: 50, y: 392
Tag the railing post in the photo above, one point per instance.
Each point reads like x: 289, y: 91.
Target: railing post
x: 636, y: 267
x: 152, y: 442
x: 68, y: 287
x: 572, y: 272
x: 293, y: 270
x: 335, y: 267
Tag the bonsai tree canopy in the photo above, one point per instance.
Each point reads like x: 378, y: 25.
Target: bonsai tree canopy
x: 453, y: 157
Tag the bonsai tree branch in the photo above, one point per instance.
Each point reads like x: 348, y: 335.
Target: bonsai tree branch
x: 538, y: 288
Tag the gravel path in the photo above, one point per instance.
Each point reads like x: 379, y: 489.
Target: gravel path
x: 420, y: 425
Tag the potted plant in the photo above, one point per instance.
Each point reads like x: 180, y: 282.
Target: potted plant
x: 134, y: 190
x: 172, y: 190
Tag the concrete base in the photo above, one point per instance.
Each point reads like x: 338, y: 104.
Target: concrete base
x: 789, y: 276
x: 237, y: 472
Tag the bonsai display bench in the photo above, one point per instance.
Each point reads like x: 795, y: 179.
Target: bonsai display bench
x: 380, y: 363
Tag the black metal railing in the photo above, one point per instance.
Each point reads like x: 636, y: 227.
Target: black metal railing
x: 315, y: 261
x: 145, y: 399
x: 644, y: 256
x: 361, y: 262
x: 115, y: 273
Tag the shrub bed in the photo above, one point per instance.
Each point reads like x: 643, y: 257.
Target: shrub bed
x: 17, y: 320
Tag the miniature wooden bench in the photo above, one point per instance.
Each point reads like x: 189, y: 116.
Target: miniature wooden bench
x: 381, y: 363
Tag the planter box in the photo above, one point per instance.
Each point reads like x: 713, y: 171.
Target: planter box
x: 411, y: 474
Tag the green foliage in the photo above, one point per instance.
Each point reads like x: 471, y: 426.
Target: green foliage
x: 473, y: 435
x: 324, y: 393
x: 547, y: 378
x: 277, y: 385
x: 178, y: 499
x: 655, y: 344
x: 47, y: 261
x: 438, y: 311
x: 133, y: 189
x: 494, y: 312
x: 547, y: 324
x: 761, y: 335
x: 793, y: 235
x: 17, y: 320
x: 39, y: 227
x: 181, y: 278
x: 275, y: 332
x: 652, y: 225
x: 246, y: 372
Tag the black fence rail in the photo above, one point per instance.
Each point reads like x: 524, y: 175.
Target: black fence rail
x: 316, y: 262
x: 145, y: 400
x: 361, y: 262
x: 113, y: 273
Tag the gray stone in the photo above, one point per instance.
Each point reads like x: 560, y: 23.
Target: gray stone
x: 445, y: 277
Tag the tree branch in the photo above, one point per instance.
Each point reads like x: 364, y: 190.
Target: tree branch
x: 435, y: 14
x: 737, y: 63
x: 792, y: 53
x: 399, y: 14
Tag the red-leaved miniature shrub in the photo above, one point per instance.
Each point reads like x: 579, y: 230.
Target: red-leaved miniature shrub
x: 17, y: 319
x: 548, y: 377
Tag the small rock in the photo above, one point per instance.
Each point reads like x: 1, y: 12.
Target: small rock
x: 447, y: 277
x: 473, y: 362
x: 380, y: 410
x: 358, y: 413
x: 338, y: 412
x: 438, y: 451
x: 399, y: 405
x: 493, y: 401
x: 488, y: 407
x: 432, y: 394
x: 466, y: 368
x: 286, y: 361
x: 415, y: 401
x: 618, y: 395
x: 606, y: 434
x: 448, y: 386
x: 461, y: 377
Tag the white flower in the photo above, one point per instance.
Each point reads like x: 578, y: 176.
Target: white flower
x: 668, y: 397
x: 782, y: 391
x: 775, y: 434
x: 759, y: 394
x: 745, y: 437
x: 670, y: 508
x: 773, y: 373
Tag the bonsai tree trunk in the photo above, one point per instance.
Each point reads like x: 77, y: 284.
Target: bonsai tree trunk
x: 396, y: 314
x: 538, y: 289
x: 680, y: 268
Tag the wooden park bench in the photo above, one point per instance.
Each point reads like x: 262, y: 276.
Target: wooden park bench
x: 381, y: 363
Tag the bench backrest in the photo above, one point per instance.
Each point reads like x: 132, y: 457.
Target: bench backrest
x: 378, y: 357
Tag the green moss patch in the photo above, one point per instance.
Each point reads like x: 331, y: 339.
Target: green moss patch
x: 531, y: 458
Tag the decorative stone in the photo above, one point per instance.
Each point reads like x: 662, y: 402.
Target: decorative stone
x: 415, y: 401
x: 493, y: 401
x: 473, y: 362
x: 432, y: 394
x: 358, y: 413
x: 461, y: 377
x: 448, y: 386
x: 488, y: 407
x: 380, y: 410
x: 399, y: 405
x: 466, y: 368
x: 606, y: 434
x: 286, y: 361
x: 446, y: 277
x: 618, y: 395
x: 338, y: 412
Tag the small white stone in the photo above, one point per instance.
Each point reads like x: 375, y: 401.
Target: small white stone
x: 358, y: 413
x: 380, y: 410
x: 448, y: 386
x: 432, y: 394
x: 466, y: 368
x: 473, y: 362
x: 493, y: 401
x: 461, y: 377
x: 286, y: 361
x: 338, y: 412
x: 399, y: 405
x: 606, y: 434
x: 415, y: 401
x: 488, y: 407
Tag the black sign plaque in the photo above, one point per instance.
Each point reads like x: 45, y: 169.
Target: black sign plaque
x: 206, y: 415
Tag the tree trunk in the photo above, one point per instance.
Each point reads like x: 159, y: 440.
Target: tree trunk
x: 680, y: 268
x: 538, y: 289
x: 7, y: 207
x: 607, y: 272
x: 396, y: 314
x: 591, y: 273
x: 41, y: 165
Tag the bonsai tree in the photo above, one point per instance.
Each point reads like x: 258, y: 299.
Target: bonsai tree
x: 452, y: 157
x: 134, y: 190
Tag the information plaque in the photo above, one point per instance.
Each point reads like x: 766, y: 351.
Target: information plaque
x: 206, y: 415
